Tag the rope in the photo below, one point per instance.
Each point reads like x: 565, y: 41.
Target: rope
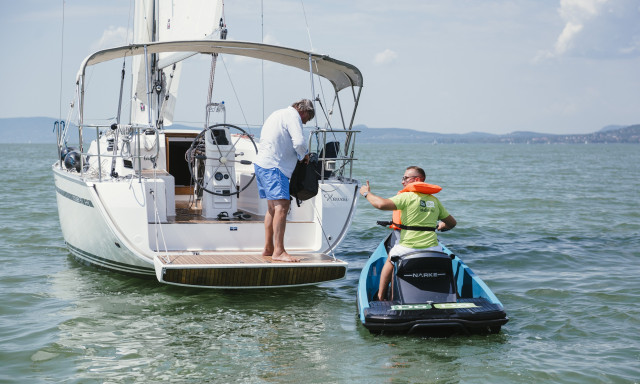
x: 167, y: 91
x: 212, y: 76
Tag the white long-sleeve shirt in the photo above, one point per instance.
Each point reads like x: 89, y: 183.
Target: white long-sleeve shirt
x: 282, y: 142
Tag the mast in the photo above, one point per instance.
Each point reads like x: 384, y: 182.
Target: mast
x: 158, y: 84
x: 161, y: 21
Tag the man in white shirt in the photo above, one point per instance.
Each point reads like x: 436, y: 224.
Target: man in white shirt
x: 281, y: 145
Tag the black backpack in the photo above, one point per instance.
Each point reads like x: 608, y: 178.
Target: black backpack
x: 304, y: 180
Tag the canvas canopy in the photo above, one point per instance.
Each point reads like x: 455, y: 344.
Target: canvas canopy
x: 339, y: 73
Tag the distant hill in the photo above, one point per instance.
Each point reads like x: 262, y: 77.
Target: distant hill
x: 630, y: 134
x: 611, y: 128
x: 403, y: 135
x: 41, y: 130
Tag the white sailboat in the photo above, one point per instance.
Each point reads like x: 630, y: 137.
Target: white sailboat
x: 142, y: 198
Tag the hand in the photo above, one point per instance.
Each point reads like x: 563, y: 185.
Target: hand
x: 306, y: 159
x: 365, y: 188
x: 442, y: 227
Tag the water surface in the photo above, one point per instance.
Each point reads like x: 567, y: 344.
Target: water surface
x: 554, y: 230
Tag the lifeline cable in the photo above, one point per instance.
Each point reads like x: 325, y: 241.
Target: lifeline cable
x: 156, y: 218
x: 324, y: 233
x: 324, y: 97
x: 234, y: 91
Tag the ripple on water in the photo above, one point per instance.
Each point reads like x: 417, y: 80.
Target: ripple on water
x: 559, y: 251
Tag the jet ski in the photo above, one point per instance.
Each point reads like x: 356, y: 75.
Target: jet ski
x: 431, y: 293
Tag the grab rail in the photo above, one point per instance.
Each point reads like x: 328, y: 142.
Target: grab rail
x: 133, y: 131
x: 344, y: 156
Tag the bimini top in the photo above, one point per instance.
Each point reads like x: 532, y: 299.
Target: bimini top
x: 339, y: 73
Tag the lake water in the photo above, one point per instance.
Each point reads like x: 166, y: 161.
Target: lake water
x: 554, y: 230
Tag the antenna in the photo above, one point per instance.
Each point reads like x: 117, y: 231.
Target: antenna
x: 308, y: 30
x: 61, y: 63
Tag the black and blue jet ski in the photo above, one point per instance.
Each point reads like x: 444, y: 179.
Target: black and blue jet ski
x: 431, y: 292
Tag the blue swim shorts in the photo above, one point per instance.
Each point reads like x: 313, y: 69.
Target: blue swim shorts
x: 272, y: 183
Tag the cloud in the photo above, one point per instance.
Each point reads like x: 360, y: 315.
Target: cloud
x: 271, y: 39
x: 385, y: 57
x: 112, y: 37
x: 597, y: 29
x: 565, y: 39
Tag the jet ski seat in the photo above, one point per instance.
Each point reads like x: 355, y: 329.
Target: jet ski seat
x: 422, y: 277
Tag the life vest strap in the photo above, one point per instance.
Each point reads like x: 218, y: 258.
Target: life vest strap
x: 414, y: 227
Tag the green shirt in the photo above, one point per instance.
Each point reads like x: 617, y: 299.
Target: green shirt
x: 419, y: 210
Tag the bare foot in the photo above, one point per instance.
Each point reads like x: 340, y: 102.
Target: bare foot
x: 267, y: 252
x: 284, y: 256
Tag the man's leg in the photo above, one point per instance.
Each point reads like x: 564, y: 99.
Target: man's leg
x: 268, y: 229
x: 387, y: 270
x: 280, y: 210
x: 385, y: 278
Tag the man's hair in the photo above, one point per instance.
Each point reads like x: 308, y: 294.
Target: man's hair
x: 419, y: 170
x: 305, y: 105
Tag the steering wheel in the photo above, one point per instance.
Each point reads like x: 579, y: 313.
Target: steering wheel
x: 197, y: 152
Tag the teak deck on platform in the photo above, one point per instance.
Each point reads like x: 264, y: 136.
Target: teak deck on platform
x: 221, y: 269
x: 249, y: 270
x: 245, y: 258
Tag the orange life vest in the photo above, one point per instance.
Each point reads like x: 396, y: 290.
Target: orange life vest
x: 419, y: 187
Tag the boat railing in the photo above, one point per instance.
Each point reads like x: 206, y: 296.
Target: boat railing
x: 127, y: 131
x: 335, y: 156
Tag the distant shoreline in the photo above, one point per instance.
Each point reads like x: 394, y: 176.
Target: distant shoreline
x: 39, y: 130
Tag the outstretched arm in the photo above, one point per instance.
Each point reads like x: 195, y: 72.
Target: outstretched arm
x: 377, y: 201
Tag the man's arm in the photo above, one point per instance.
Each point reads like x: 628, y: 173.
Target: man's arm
x: 447, y: 223
x: 294, y: 126
x: 377, y: 201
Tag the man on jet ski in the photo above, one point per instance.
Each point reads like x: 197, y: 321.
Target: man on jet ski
x: 416, y: 214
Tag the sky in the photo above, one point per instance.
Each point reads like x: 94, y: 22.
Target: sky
x: 448, y: 66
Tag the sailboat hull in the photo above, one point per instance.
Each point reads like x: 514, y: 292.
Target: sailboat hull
x: 114, y: 224
x: 145, y: 198
x: 87, y: 233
